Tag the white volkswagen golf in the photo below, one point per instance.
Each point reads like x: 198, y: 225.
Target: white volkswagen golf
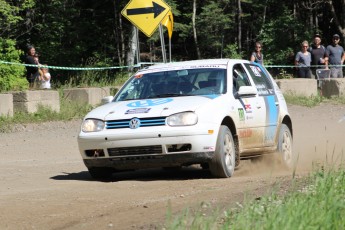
x: 208, y: 112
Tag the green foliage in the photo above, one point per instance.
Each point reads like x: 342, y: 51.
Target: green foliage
x: 278, y: 39
x: 211, y: 30
x: 10, y: 16
x: 317, y: 202
x: 70, y: 33
x: 231, y: 51
x: 11, y: 76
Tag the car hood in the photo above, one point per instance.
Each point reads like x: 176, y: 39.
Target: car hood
x: 149, y: 107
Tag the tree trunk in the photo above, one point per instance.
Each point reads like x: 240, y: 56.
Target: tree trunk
x: 194, y: 31
x: 239, y: 20
x: 337, y: 21
x: 117, y: 32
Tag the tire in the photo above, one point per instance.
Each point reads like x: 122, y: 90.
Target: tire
x: 100, y: 173
x: 224, y: 159
x: 285, y: 146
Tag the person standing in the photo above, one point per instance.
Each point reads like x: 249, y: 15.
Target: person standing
x: 336, y: 57
x: 257, y: 55
x: 319, y: 57
x: 45, y: 78
x: 303, y: 60
x: 32, y: 72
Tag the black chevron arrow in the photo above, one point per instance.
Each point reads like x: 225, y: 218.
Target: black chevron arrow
x: 156, y: 10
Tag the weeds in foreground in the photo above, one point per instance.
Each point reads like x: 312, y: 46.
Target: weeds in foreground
x: 318, y: 205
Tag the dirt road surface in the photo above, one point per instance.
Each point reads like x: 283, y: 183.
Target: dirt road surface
x: 45, y: 185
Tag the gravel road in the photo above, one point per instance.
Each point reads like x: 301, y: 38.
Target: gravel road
x: 45, y: 185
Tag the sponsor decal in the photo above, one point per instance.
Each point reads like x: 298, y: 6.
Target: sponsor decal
x: 249, y: 117
x: 209, y: 148
x: 248, y: 108
x: 241, y: 114
x: 149, y: 103
x: 245, y: 133
x: 138, y: 110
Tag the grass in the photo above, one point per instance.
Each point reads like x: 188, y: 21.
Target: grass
x: 319, y: 205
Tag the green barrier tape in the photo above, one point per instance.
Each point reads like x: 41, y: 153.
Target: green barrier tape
x: 293, y: 66
x: 71, y: 68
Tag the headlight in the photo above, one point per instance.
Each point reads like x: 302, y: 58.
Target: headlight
x: 181, y: 119
x: 92, y: 125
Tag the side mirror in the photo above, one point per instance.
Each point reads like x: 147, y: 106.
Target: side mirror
x: 106, y: 100
x: 247, y: 91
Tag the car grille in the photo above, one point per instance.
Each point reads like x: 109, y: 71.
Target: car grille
x: 144, y: 122
x: 139, y: 150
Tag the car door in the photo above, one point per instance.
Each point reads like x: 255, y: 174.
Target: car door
x: 251, y: 110
x: 267, y: 95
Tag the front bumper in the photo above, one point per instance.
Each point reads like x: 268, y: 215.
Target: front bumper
x: 154, y: 148
x: 150, y: 161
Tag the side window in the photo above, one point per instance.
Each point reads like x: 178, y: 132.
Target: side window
x: 261, y: 80
x: 239, y: 77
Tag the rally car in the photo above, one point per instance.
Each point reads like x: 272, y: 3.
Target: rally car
x: 208, y: 112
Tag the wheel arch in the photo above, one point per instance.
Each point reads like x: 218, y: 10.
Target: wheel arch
x: 287, y: 121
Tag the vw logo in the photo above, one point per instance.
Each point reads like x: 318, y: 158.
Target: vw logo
x: 134, y: 123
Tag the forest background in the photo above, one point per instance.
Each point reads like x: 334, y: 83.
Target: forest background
x: 72, y: 34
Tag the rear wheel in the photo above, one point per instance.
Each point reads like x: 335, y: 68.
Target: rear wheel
x: 285, y: 146
x: 100, y: 173
x: 224, y: 160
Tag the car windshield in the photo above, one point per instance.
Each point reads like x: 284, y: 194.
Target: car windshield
x: 174, y: 83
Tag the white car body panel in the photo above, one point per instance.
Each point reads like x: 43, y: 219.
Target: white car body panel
x: 254, y: 120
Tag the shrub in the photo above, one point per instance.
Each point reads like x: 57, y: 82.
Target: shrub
x: 11, y: 75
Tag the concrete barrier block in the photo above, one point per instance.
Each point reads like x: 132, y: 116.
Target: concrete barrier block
x: 92, y: 96
x: 50, y: 98
x: 299, y: 87
x: 333, y: 87
x: 24, y: 96
x: 29, y: 101
x: 6, y: 105
x: 105, y: 91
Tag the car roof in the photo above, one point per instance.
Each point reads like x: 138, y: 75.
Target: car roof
x: 202, y: 62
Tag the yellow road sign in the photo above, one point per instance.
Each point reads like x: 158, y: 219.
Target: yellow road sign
x: 146, y: 14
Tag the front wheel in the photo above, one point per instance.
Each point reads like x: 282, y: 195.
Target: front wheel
x: 285, y: 146
x: 224, y: 160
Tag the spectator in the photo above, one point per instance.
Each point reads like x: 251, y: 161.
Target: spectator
x: 45, y: 78
x: 32, y: 72
x: 257, y: 56
x: 319, y: 57
x: 336, y: 57
x: 303, y: 60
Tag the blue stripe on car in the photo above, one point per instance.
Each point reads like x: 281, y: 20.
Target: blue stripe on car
x: 271, y: 118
